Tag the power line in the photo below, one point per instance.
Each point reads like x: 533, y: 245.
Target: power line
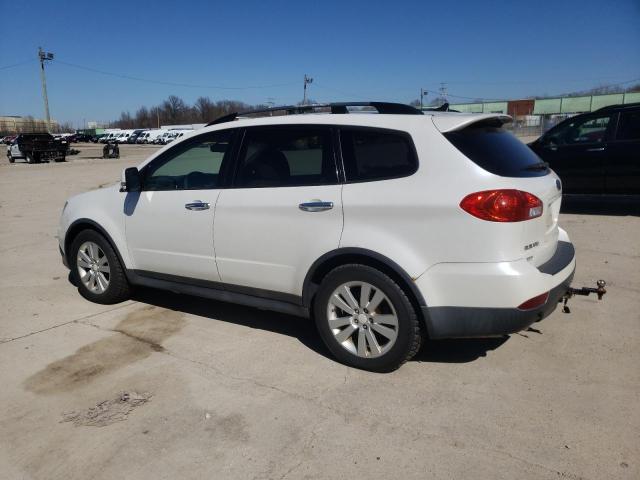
x: 16, y: 64
x: 172, y: 84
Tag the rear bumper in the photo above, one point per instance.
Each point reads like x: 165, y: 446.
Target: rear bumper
x: 467, y: 322
x: 481, y: 299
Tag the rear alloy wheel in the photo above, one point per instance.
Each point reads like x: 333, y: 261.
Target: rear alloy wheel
x: 30, y: 158
x: 96, y: 269
x: 362, y: 319
x: 366, y: 319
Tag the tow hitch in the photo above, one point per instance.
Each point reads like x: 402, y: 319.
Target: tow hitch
x: 599, y: 290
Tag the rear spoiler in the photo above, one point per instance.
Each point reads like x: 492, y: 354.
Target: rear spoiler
x: 451, y: 122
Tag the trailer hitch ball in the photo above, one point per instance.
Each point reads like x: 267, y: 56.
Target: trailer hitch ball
x: 600, y: 290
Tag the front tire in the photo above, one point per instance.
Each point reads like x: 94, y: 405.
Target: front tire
x: 96, y: 269
x: 366, y: 319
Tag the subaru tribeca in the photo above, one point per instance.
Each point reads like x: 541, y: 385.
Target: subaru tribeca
x: 384, y: 224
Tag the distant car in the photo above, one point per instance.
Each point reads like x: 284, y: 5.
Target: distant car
x: 162, y: 139
x: 152, y: 135
x: 143, y: 137
x: 170, y: 138
x: 84, y: 138
x: 134, y: 136
x: 180, y: 134
x: 123, y: 137
x: 597, y: 152
x: 111, y: 137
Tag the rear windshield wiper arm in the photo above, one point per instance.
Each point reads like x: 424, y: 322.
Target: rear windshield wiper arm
x: 537, y: 166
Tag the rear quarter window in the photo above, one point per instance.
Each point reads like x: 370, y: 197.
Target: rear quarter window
x: 497, y: 151
x: 371, y: 154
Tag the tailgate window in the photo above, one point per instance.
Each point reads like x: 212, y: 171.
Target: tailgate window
x: 497, y: 151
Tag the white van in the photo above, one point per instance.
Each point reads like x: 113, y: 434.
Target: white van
x: 124, y: 136
x: 162, y: 138
x: 154, y: 135
x: 144, y: 136
x: 178, y: 135
x: 110, y: 136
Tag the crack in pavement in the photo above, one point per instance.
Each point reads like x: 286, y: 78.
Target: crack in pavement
x: 76, y: 320
x: 562, y: 474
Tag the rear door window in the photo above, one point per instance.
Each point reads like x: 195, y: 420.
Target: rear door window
x: 286, y: 157
x: 371, y: 154
x: 497, y: 151
x: 629, y: 126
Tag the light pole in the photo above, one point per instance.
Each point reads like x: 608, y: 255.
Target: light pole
x: 45, y: 57
x: 423, y: 93
x: 307, y: 81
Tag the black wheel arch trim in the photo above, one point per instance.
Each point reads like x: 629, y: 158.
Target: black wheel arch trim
x: 91, y: 225
x: 310, y: 285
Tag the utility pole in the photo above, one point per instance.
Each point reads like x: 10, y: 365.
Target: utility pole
x: 443, y: 91
x: 45, y: 57
x: 307, y: 81
x: 423, y: 93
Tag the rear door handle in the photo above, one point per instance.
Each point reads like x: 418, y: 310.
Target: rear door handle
x: 315, y: 206
x: 597, y: 149
x: 197, y: 205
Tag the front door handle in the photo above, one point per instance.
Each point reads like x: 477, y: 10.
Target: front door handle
x: 597, y: 149
x: 197, y: 205
x: 315, y: 206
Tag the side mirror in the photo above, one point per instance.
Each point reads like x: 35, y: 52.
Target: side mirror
x: 131, y: 181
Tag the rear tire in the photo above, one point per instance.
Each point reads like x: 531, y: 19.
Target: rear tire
x: 96, y: 269
x: 30, y: 158
x: 366, y: 319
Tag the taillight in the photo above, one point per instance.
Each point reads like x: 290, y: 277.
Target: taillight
x: 502, y: 205
x: 534, y: 302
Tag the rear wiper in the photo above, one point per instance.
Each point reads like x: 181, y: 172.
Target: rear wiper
x: 537, y: 166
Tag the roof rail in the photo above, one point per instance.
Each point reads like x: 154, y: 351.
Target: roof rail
x: 618, y: 106
x: 336, y: 108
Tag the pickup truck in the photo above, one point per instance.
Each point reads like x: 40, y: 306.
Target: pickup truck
x: 37, y: 147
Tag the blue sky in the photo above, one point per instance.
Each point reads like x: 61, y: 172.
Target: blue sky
x: 354, y: 50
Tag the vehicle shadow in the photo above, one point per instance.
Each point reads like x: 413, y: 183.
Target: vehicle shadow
x: 304, y: 329
x: 601, y: 205
x: 462, y: 350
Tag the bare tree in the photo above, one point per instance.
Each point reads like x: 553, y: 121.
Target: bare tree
x: 174, y: 109
x: 143, y: 118
x: 204, y: 108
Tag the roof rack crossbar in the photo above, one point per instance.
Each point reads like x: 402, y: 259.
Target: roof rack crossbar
x: 336, y: 108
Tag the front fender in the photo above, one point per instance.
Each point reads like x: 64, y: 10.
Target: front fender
x: 101, y: 210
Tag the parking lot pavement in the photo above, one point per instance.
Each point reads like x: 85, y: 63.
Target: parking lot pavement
x: 240, y: 393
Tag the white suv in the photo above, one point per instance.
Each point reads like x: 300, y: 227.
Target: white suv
x: 386, y: 227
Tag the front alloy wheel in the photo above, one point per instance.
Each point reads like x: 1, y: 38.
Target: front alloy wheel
x: 93, y: 267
